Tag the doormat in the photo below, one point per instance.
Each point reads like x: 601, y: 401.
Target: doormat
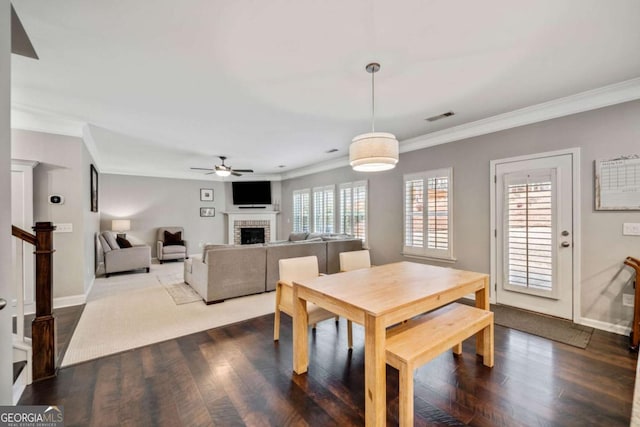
x: 564, y: 331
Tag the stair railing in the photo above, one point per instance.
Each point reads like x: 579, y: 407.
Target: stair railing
x: 43, y: 340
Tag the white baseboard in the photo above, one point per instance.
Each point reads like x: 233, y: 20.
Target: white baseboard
x: 69, y: 301
x: 19, y: 386
x: 88, y: 291
x: 604, y: 326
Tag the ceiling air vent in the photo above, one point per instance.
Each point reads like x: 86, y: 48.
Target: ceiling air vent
x: 440, y: 116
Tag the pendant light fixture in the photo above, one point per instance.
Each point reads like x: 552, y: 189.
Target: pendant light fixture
x: 373, y: 151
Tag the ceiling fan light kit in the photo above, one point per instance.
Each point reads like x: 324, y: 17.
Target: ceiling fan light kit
x: 223, y: 170
x: 373, y: 151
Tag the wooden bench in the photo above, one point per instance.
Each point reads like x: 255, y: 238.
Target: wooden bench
x: 414, y: 343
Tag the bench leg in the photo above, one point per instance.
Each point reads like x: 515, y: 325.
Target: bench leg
x: 350, y: 333
x: 405, y: 396
x: 457, y: 349
x: 276, y: 316
x: 487, y: 334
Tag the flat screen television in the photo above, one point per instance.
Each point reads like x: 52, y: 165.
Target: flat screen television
x: 251, y: 192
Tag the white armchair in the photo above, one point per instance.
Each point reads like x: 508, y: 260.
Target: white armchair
x: 170, y: 244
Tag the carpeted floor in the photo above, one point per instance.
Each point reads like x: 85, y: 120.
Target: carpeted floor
x: 133, y: 310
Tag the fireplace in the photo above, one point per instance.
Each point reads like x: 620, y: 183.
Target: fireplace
x: 250, y: 219
x: 250, y: 236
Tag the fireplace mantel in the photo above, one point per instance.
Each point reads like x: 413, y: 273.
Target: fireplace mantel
x: 251, y: 215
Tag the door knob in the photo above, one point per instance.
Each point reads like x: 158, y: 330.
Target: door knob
x: 3, y: 303
x: 565, y: 233
x: 565, y: 244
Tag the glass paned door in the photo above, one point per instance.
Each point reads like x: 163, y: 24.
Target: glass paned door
x: 534, y: 234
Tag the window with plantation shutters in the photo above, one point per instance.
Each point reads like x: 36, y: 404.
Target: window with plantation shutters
x: 427, y: 214
x: 353, y: 209
x: 323, y: 209
x: 301, y: 210
x: 529, y: 244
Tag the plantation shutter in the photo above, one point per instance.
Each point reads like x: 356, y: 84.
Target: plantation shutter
x: 346, y: 214
x: 438, y: 213
x: 427, y: 214
x: 529, y: 229
x: 323, y: 212
x: 414, y: 213
x: 353, y: 209
x: 301, y: 211
x: 359, y: 210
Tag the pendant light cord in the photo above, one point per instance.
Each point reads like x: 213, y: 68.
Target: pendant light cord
x: 373, y: 102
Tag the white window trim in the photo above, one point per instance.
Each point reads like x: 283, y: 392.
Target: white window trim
x: 424, y: 252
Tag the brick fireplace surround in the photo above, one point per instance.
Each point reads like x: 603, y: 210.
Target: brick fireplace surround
x: 251, y: 219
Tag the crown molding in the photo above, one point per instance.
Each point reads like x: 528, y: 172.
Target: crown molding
x: 316, y: 168
x: 90, y: 144
x: 29, y: 118
x: 192, y: 177
x: 605, y: 96
x: 39, y: 120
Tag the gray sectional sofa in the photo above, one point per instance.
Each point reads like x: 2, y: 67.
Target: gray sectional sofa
x: 227, y: 271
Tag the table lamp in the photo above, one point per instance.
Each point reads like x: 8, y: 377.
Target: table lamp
x: 121, y: 225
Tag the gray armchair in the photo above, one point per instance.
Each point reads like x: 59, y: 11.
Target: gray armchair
x: 167, y: 248
x: 117, y: 259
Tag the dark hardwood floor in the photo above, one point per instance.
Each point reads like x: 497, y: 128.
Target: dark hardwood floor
x: 66, y: 320
x: 237, y: 375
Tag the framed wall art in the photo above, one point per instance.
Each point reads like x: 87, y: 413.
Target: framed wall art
x: 206, y: 194
x: 207, y: 211
x: 94, y: 189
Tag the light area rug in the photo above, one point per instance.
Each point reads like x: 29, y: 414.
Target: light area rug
x: 181, y: 292
x: 129, y: 311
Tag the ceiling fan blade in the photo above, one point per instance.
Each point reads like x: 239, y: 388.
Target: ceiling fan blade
x: 243, y: 170
x: 234, y: 173
x: 203, y: 169
x: 20, y: 42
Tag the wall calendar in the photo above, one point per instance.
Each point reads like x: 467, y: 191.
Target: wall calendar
x: 618, y: 183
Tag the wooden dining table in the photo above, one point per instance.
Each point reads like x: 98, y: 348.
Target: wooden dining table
x: 377, y: 298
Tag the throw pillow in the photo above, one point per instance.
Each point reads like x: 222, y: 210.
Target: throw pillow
x: 111, y: 239
x: 294, y: 237
x: 123, y: 243
x: 173, y: 239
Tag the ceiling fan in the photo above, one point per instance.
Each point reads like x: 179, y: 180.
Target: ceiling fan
x: 224, y: 170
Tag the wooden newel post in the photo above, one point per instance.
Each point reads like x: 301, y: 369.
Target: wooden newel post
x: 43, y: 326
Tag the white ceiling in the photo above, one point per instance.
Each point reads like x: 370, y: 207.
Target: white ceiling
x: 165, y: 85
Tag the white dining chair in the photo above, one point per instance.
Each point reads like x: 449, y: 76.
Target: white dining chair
x: 298, y: 269
x: 355, y: 260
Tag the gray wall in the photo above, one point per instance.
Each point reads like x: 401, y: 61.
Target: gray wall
x: 602, y: 133
x: 63, y: 169
x: 91, y: 220
x: 159, y: 202
x: 5, y: 206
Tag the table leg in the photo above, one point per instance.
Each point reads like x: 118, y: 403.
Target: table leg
x: 375, y: 383
x: 482, y: 301
x: 300, y: 334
